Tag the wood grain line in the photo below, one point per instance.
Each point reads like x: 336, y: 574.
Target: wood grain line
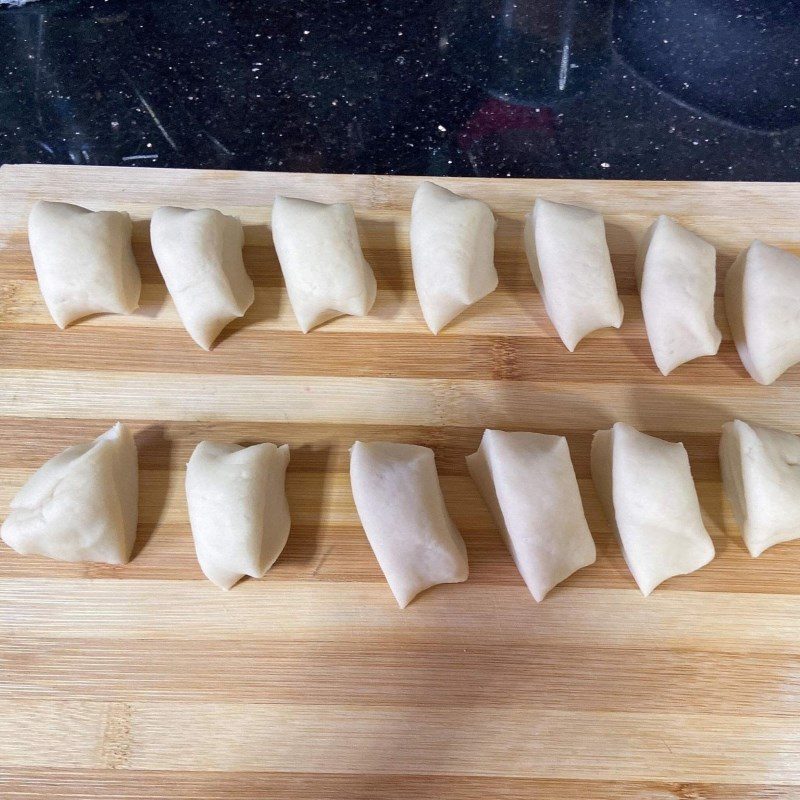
x: 61, y: 784
x: 303, y: 611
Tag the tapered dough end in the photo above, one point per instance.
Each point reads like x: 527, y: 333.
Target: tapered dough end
x: 705, y: 556
x: 206, y: 335
x: 221, y: 578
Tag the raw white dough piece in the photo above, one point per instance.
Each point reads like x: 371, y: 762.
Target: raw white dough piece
x: 762, y: 300
x: 325, y: 271
x: 199, y: 254
x: 529, y: 484
x: 452, y: 253
x: 761, y: 475
x: 571, y: 266
x: 676, y: 275
x: 84, y: 261
x: 237, y: 508
x: 400, y: 504
x: 81, y: 505
x: 646, y: 488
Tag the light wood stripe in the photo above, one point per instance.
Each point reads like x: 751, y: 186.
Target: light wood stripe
x: 553, y: 744
x: 442, y: 675
x: 89, y: 394
x: 493, y: 615
x: 43, y: 733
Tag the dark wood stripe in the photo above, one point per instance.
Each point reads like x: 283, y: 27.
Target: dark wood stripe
x: 605, y: 360
x: 315, y: 447
x: 174, y: 785
x: 340, y: 553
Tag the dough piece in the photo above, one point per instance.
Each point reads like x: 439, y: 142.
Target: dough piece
x: 237, y: 508
x: 325, y: 271
x: 84, y: 261
x: 452, y: 253
x: 81, y: 505
x: 646, y: 488
x: 529, y: 484
x: 571, y: 267
x: 400, y: 504
x: 762, y: 300
x: 199, y: 254
x: 676, y: 275
x: 761, y: 475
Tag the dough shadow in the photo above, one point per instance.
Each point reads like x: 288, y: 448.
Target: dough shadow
x: 155, y: 303
x: 261, y: 264
x: 154, y: 447
x: 302, y: 547
x: 387, y: 264
x: 148, y: 270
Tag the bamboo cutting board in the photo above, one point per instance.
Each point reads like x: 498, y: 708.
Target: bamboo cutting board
x: 146, y: 681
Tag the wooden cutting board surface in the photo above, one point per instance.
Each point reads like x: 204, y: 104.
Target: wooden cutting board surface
x: 146, y: 681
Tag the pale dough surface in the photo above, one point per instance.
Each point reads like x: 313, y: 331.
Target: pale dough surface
x: 761, y: 475
x: 84, y: 261
x: 646, y: 488
x: 400, y: 504
x: 762, y: 297
x: 529, y: 484
x: 452, y: 253
x: 571, y: 266
x: 81, y: 505
x: 320, y: 254
x: 199, y: 254
x: 676, y: 274
x: 237, y: 508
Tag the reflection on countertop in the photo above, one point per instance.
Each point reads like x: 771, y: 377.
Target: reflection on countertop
x: 575, y: 88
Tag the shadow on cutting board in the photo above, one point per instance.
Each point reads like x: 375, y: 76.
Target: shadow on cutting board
x: 152, y: 444
x: 302, y: 545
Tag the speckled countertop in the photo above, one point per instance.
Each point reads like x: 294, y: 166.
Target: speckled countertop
x: 708, y: 89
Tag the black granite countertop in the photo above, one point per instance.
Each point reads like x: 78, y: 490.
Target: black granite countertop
x: 701, y: 90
